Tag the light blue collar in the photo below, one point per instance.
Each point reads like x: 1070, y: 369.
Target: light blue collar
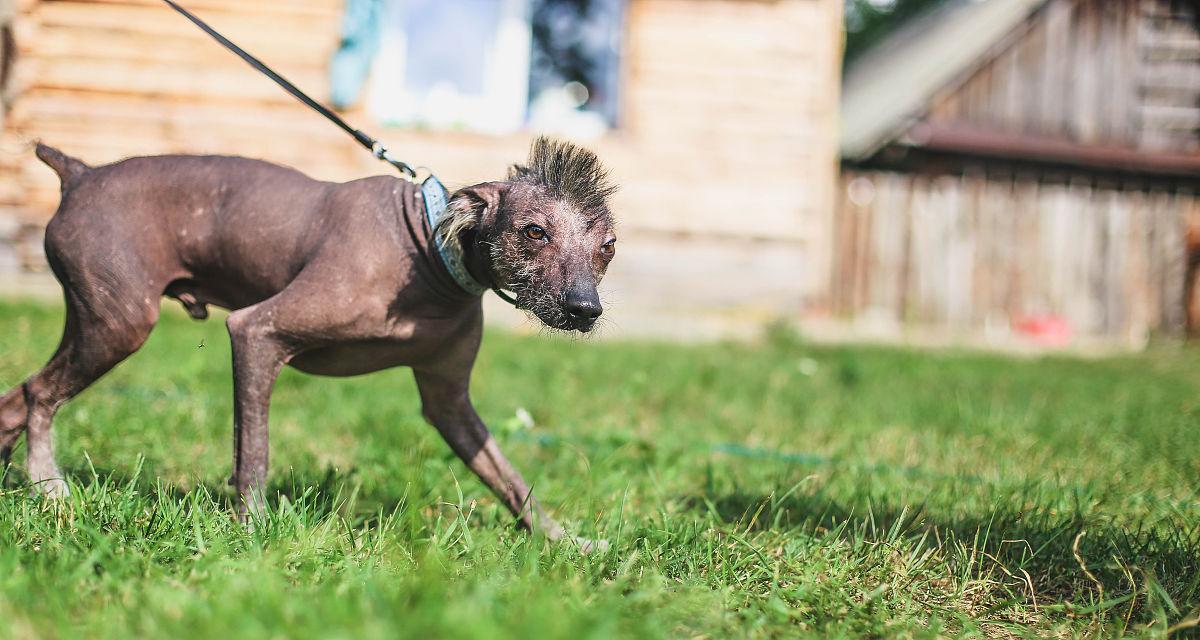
x: 436, y: 200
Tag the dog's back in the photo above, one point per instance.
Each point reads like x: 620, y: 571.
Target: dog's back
x: 157, y: 219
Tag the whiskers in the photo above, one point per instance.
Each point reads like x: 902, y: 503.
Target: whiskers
x: 539, y: 298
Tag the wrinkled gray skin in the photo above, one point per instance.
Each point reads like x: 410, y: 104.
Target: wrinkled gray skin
x: 332, y: 279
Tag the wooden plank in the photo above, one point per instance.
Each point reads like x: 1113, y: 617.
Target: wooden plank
x: 1115, y: 292
x: 167, y: 81
x: 1171, y: 46
x: 323, y: 9
x: 1175, y: 119
x: 1032, y: 66
x: 1173, y: 244
x: 1011, y: 90
x: 1139, y: 293
x: 1169, y: 75
x: 135, y: 45
x: 986, y: 297
x: 1055, y: 85
x: 888, y: 233
x: 962, y: 251
x: 863, y: 251
x: 916, y: 290
x: 1121, y: 91
x: 241, y: 23
x: 1029, y: 297
x: 1057, y: 236
x: 1081, y: 308
x: 843, y: 246
x: 1088, y: 88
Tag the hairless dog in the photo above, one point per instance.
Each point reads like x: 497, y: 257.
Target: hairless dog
x: 333, y: 279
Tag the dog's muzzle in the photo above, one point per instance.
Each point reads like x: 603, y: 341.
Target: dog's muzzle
x: 582, y: 307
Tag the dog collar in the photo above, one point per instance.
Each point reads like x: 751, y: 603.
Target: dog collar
x: 437, y: 200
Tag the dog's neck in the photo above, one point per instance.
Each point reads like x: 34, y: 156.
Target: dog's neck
x: 452, y: 255
x: 477, y: 259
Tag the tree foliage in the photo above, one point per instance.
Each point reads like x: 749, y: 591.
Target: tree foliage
x: 868, y: 21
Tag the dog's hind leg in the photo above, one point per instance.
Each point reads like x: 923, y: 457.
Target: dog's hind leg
x: 12, y: 423
x: 92, y: 344
x: 14, y: 407
x: 12, y: 415
x: 14, y: 410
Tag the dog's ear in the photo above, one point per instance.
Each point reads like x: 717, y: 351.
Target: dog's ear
x: 471, y: 208
x: 482, y: 200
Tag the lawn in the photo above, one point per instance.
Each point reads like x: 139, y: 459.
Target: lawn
x: 773, y: 489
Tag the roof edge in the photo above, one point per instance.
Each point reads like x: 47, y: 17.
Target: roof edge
x: 888, y: 87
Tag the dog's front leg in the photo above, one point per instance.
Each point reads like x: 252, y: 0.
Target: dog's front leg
x: 447, y: 406
x: 258, y: 356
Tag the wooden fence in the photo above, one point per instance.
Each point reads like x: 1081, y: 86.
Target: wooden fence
x: 988, y: 251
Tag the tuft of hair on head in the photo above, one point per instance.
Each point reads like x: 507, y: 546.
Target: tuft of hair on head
x: 567, y: 171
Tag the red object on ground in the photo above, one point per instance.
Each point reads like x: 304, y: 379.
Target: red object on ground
x: 1051, y: 331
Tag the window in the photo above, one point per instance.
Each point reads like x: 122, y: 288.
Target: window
x: 575, y: 65
x: 452, y: 64
x: 496, y: 65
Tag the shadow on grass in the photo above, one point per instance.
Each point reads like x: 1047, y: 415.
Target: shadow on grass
x: 1158, y: 562
x: 1020, y: 537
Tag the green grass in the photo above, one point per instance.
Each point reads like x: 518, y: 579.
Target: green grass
x: 776, y: 489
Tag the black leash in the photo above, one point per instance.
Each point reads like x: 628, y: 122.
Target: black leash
x: 365, y: 140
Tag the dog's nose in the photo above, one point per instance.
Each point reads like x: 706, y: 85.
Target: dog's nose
x: 582, y: 305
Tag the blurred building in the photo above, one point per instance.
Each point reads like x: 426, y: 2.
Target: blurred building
x: 1025, y: 166
x: 718, y: 117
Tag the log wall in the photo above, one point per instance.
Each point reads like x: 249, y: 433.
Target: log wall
x: 726, y: 147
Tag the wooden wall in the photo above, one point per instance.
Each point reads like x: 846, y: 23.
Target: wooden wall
x: 107, y: 79
x: 726, y: 149
x: 1105, y: 72
x: 979, y: 246
x: 984, y: 252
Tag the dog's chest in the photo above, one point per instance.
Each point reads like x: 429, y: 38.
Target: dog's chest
x: 397, y: 342
x: 357, y: 358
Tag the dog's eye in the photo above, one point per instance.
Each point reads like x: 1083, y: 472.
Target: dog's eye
x: 534, y: 232
x: 608, y: 248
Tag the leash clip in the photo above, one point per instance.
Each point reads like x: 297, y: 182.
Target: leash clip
x: 381, y: 152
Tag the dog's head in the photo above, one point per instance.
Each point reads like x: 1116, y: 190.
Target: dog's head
x: 545, y: 232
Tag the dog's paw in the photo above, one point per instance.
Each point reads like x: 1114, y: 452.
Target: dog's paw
x: 588, y: 547
x: 53, y: 488
x: 252, y: 510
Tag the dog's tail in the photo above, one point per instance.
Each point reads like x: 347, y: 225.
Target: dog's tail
x: 67, y: 168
